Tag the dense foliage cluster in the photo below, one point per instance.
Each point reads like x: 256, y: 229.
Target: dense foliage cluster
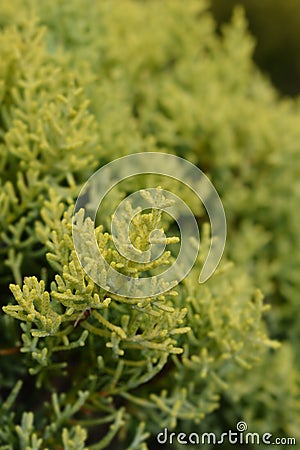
x: 83, y: 83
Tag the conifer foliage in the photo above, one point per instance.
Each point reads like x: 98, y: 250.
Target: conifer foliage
x: 81, y: 84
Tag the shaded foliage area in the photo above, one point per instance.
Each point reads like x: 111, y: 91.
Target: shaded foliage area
x: 275, y: 25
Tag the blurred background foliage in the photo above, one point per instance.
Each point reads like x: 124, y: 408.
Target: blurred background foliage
x: 275, y: 25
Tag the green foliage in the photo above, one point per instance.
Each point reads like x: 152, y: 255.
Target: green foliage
x: 48, y: 139
x: 277, y: 45
x: 80, y: 85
